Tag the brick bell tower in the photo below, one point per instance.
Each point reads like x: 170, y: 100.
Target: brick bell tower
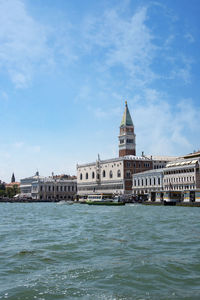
x: 127, y: 136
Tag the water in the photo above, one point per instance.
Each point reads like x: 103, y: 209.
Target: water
x: 51, y: 251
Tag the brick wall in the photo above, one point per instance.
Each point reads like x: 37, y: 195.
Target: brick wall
x: 125, y: 152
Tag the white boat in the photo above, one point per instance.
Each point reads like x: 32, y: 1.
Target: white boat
x: 103, y: 199
x: 62, y: 202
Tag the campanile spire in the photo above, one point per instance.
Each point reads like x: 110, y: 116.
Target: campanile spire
x: 127, y: 136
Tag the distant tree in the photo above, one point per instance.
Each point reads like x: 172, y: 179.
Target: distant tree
x: 12, y: 191
x: 13, y: 178
x: 9, y: 192
x: 2, y: 187
x: 2, y: 193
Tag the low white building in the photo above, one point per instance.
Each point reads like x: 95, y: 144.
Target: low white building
x: 48, y: 188
x: 149, y: 183
x: 182, y: 174
x: 26, y: 185
x: 51, y: 189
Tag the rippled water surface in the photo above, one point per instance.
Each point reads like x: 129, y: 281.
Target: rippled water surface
x: 51, y: 251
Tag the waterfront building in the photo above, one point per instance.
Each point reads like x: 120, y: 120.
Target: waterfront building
x: 182, y: 174
x: 149, y: 183
x: 114, y: 175
x: 111, y: 175
x: 26, y: 184
x: 53, y: 188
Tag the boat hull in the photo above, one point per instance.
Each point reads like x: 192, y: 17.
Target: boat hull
x: 105, y: 203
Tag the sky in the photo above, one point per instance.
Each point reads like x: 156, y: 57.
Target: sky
x: 67, y: 67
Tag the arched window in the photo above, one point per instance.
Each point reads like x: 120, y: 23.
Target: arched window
x: 111, y: 174
x: 86, y: 176
x: 93, y: 175
x: 81, y: 176
x: 118, y: 173
x: 104, y: 173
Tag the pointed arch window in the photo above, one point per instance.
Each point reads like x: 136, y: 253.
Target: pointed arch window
x: 93, y: 175
x: 104, y: 173
x: 86, y: 176
x: 118, y: 173
x: 81, y: 176
x: 111, y: 174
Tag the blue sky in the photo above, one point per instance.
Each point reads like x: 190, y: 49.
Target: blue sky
x: 67, y: 67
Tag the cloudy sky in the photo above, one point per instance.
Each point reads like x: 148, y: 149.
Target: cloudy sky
x: 67, y: 67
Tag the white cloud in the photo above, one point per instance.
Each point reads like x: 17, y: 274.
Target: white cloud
x: 102, y: 114
x: 23, y: 42
x: 136, y: 50
x: 27, y: 148
x: 35, y: 149
x: 165, y: 126
x: 127, y: 42
x: 28, y: 46
x: 181, y: 68
x: 18, y: 145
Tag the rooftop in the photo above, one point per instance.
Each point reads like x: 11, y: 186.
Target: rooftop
x: 182, y: 162
x: 194, y: 154
x: 162, y: 157
x: 121, y: 158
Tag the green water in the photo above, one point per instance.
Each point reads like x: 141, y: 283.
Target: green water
x: 51, y: 251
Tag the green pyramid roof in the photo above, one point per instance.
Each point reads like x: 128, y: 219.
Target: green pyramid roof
x: 126, y: 120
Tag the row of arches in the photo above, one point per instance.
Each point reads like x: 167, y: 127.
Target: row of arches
x: 97, y: 176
